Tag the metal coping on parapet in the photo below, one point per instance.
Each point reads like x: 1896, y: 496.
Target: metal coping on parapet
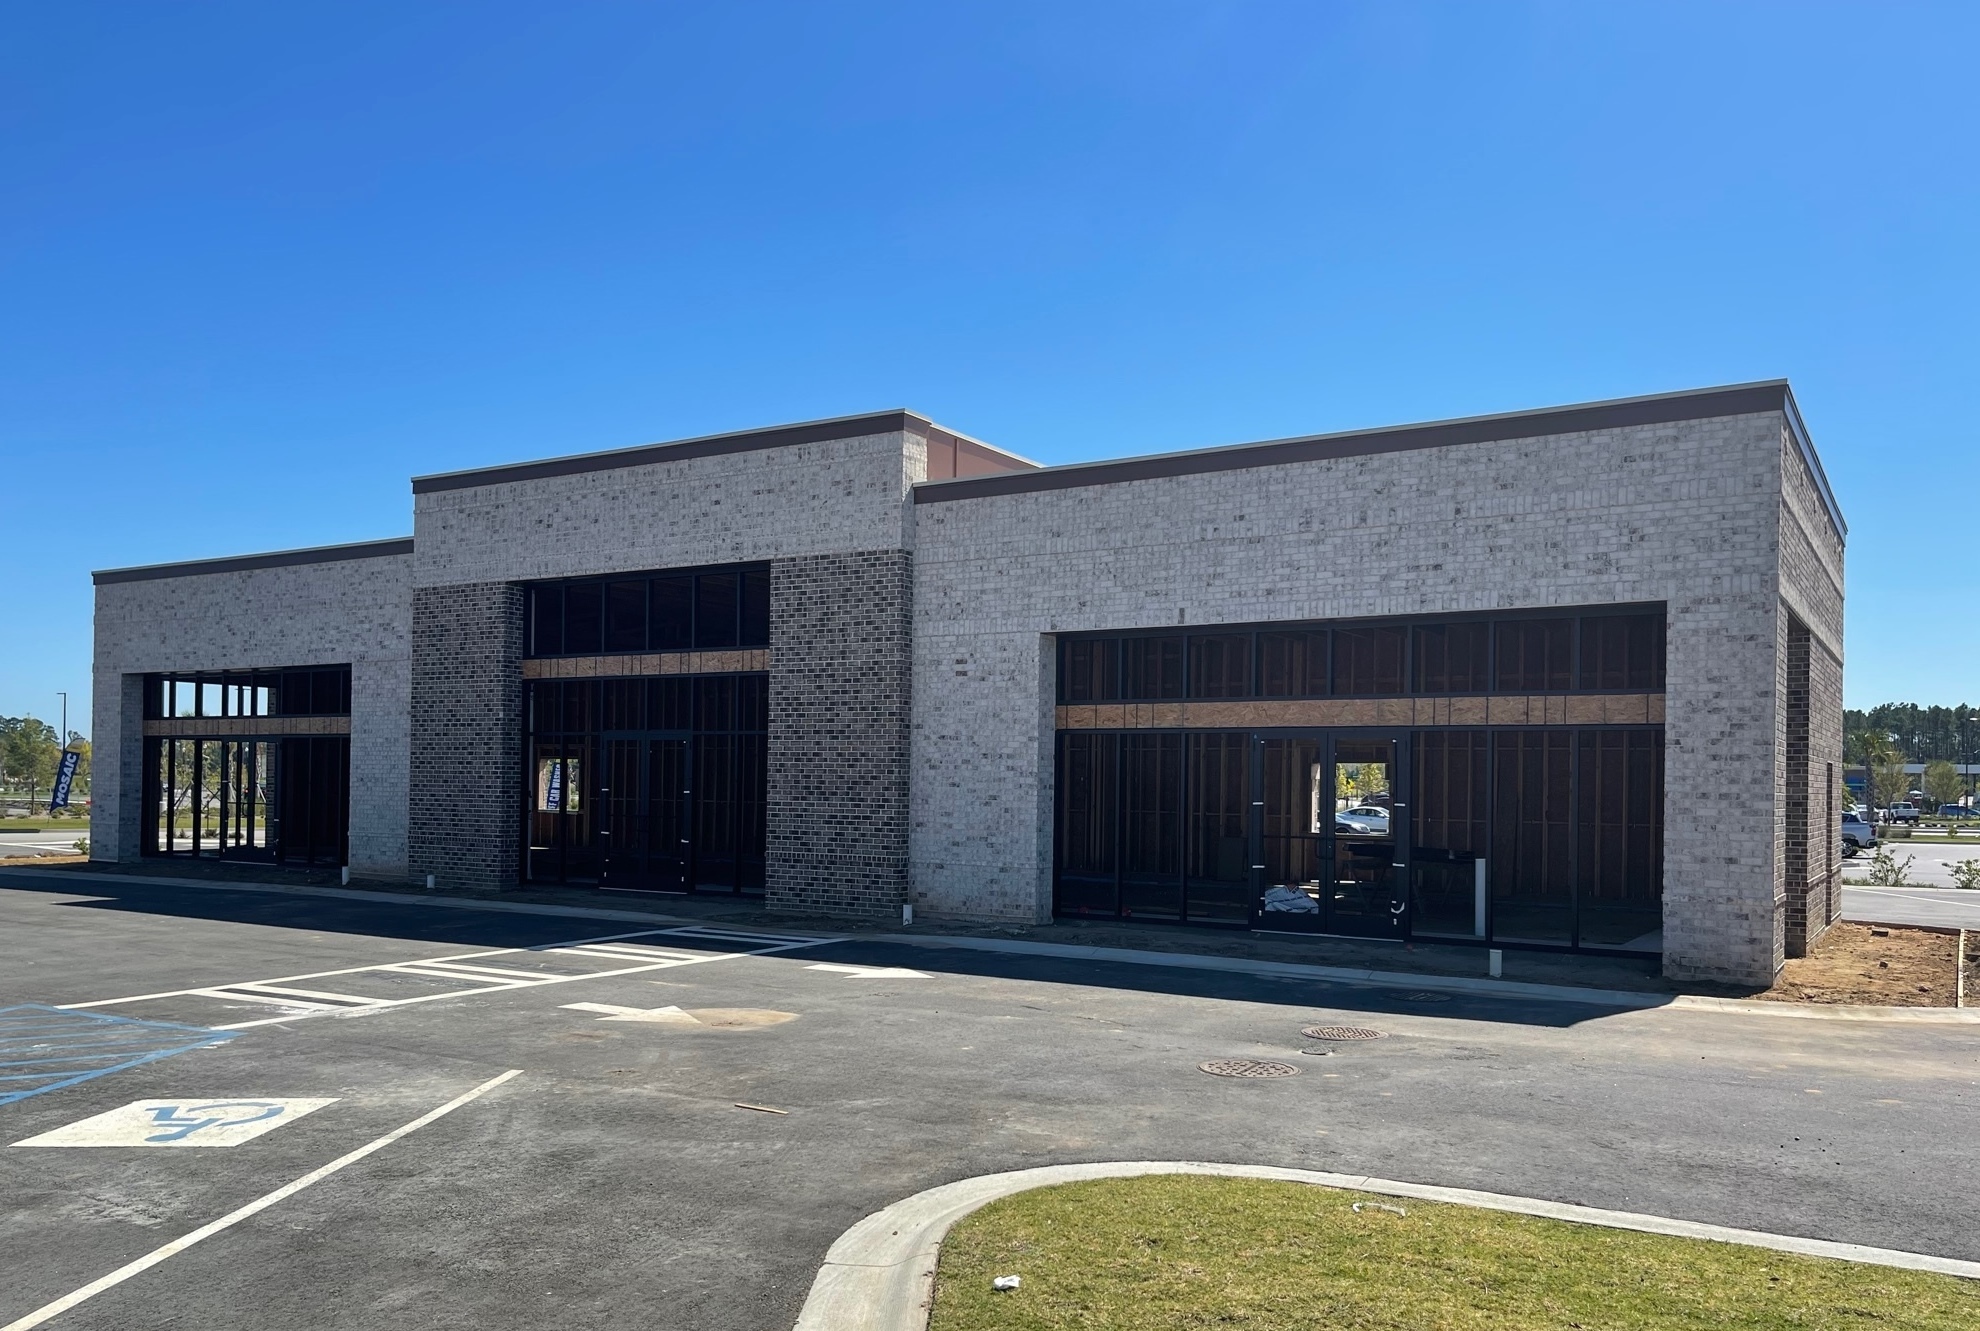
x: 1656, y: 409
x: 714, y: 445
x: 320, y: 554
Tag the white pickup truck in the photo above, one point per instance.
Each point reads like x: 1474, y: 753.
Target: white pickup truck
x: 1904, y: 811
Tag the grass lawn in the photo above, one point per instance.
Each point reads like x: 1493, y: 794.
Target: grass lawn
x: 1182, y: 1251
x: 79, y: 825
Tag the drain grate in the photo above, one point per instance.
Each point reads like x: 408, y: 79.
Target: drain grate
x: 1425, y: 996
x: 1340, y: 1033
x: 1247, y: 1067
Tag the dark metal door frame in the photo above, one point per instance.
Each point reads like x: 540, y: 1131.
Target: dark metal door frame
x: 637, y: 862
x: 1400, y: 783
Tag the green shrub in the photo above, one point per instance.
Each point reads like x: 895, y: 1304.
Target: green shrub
x: 1967, y: 874
x: 1885, y: 871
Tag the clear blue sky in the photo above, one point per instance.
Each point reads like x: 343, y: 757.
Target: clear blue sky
x: 261, y: 263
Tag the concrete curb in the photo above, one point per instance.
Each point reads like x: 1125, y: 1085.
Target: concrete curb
x: 880, y: 1275
x: 1454, y: 984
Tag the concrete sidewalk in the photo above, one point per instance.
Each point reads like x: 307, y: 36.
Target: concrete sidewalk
x: 1056, y: 941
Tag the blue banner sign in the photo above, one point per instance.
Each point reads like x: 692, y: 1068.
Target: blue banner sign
x: 65, y: 776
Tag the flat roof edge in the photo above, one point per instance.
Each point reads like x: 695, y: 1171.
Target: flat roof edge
x: 712, y: 445
x: 1654, y: 409
x: 1806, y: 447
x: 319, y: 554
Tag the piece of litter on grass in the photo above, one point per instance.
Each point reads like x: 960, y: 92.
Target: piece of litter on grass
x: 1007, y: 1282
x: 761, y: 1109
x: 1378, y: 1206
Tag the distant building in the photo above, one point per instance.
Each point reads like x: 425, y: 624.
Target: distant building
x: 1567, y: 678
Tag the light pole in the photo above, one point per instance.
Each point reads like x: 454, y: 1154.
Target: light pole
x: 1967, y: 753
x: 63, y: 739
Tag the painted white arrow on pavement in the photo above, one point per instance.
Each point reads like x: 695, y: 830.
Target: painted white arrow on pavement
x: 666, y: 1016
x: 870, y: 972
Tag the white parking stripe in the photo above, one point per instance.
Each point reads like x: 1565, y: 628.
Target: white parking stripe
x: 281, y: 994
x: 453, y: 970
x: 635, y: 954
x: 355, y: 1000
x: 266, y: 1000
x: 47, y: 1311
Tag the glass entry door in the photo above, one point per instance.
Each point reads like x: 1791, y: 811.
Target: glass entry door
x: 1331, y: 851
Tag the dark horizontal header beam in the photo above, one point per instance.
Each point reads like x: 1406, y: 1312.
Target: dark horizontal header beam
x: 322, y: 554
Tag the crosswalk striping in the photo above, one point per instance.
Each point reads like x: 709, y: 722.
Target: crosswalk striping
x: 627, y: 957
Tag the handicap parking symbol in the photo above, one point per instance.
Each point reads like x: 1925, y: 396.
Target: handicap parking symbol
x: 186, y: 1122
x: 181, y: 1122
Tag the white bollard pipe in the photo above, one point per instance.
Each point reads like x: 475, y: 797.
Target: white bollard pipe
x: 1478, y: 897
x: 429, y: 882
x: 346, y: 878
x: 907, y: 912
x: 1495, y: 963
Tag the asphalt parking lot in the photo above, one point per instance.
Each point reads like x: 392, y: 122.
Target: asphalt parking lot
x: 28, y: 845
x: 616, y: 1179
x: 1930, y: 862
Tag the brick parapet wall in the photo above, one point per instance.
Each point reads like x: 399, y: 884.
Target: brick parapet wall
x: 838, y: 744
x: 779, y: 503
x: 465, y: 810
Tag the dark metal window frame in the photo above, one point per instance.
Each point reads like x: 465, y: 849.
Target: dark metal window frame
x: 238, y: 691
x: 310, y: 828
x: 752, y: 627
x: 1185, y: 637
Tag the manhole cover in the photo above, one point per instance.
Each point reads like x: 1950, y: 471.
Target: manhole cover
x: 1247, y: 1067
x: 1425, y: 996
x: 1340, y: 1033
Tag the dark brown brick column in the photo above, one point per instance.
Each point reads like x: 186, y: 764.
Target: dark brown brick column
x: 464, y: 807
x: 837, y: 839
x: 1803, y: 925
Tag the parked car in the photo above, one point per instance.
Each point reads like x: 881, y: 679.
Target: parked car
x: 1904, y: 811
x: 1345, y: 826
x: 1377, y: 819
x: 1958, y: 811
x: 1857, y: 834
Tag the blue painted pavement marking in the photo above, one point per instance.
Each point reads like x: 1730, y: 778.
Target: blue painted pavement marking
x: 45, y: 1048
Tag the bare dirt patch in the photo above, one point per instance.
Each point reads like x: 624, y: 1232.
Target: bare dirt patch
x: 1883, y: 965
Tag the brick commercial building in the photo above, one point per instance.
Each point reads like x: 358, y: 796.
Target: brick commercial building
x: 1567, y: 678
